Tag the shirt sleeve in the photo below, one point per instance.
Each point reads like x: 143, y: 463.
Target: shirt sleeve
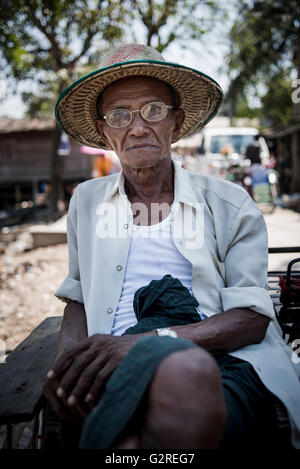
x: 246, y: 263
x: 70, y: 289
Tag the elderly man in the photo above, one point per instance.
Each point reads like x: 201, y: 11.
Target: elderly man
x: 156, y: 219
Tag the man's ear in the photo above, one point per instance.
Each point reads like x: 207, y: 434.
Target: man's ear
x: 99, y: 129
x: 179, y: 119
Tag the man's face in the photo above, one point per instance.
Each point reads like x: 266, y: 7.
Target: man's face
x: 139, y: 144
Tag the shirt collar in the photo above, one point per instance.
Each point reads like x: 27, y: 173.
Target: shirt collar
x: 183, y: 189
x: 117, y: 187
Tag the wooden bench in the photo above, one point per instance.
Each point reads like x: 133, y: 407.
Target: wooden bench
x: 24, y: 372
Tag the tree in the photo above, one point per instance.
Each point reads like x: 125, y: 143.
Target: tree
x: 276, y: 102
x: 274, y: 106
x: 48, y: 43
x: 265, y: 39
x: 264, y: 56
x: 166, y: 21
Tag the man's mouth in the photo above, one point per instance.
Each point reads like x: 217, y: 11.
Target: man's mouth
x: 144, y: 145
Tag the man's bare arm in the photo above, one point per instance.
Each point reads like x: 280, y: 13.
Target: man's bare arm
x: 73, y: 332
x: 73, y: 328
x: 227, y: 331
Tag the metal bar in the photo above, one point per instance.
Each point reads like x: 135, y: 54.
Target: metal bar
x: 286, y: 249
x: 9, y: 435
x: 275, y: 273
x: 35, y: 432
x: 41, y: 429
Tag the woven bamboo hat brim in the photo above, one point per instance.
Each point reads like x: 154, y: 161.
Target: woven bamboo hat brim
x: 76, y: 109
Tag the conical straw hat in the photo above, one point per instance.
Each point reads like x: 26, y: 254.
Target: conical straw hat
x: 76, y: 109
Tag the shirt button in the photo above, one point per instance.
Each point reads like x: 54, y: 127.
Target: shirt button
x: 109, y: 310
x: 119, y: 267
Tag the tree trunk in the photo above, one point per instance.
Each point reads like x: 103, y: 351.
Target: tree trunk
x: 295, y: 184
x: 57, y: 169
x: 57, y: 173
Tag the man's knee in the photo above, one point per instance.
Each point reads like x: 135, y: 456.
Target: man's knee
x: 189, y: 379
x: 187, y: 388
x: 196, y: 364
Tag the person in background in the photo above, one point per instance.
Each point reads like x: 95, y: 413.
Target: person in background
x: 253, y: 151
x: 102, y: 166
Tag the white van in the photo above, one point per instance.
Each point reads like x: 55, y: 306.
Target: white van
x: 219, y: 147
x: 218, y: 140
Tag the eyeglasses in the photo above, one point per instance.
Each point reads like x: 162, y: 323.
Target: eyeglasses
x: 150, y: 112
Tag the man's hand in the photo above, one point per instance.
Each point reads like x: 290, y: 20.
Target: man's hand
x: 59, y: 404
x: 78, y: 377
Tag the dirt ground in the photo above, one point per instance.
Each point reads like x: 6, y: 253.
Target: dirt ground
x: 28, y: 281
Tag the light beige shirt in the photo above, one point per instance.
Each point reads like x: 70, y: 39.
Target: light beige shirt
x: 218, y: 228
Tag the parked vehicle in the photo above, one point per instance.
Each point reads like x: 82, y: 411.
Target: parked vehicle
x: 221, y: 148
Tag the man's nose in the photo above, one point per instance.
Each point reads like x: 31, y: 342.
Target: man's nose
x: 138, y: 126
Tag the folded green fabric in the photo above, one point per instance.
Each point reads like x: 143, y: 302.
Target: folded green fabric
x: 125, y: 390
x: 163, y: 303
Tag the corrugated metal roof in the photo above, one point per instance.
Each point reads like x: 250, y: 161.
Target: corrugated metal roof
x: 24, y: 125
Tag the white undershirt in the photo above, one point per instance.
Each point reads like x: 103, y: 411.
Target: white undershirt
x: 152, y: 254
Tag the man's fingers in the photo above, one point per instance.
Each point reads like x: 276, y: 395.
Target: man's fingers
x: 85, y: 381
x: 65, y: 360
x: 82, y: 409
x: 60, y: 410
x: 81, y: 366
x: 59, y: 404
x: 97, y: 387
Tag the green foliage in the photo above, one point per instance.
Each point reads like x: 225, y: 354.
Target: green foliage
x: 51, y: 43
x: 43, y: 42
x: 265, y: 40
x: 38, y: 106
x: 168, y: 21
x: 276, y: 103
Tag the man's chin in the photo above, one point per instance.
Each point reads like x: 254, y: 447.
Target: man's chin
x: 145, y: 162
x: 145, y: 165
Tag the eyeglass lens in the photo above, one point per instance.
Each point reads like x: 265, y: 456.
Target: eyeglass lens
x: 152, y: 112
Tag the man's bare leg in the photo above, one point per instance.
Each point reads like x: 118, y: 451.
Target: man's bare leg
x: 128, y: 442
x: 185, y: 406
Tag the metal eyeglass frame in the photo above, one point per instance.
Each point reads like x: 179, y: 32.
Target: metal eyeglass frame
x: 167, y: 106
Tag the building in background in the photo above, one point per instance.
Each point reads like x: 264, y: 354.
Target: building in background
x: 286, y: 143
x: 25, y: 163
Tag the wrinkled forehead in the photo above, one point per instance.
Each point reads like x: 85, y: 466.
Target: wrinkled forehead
x: 135, y: 86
